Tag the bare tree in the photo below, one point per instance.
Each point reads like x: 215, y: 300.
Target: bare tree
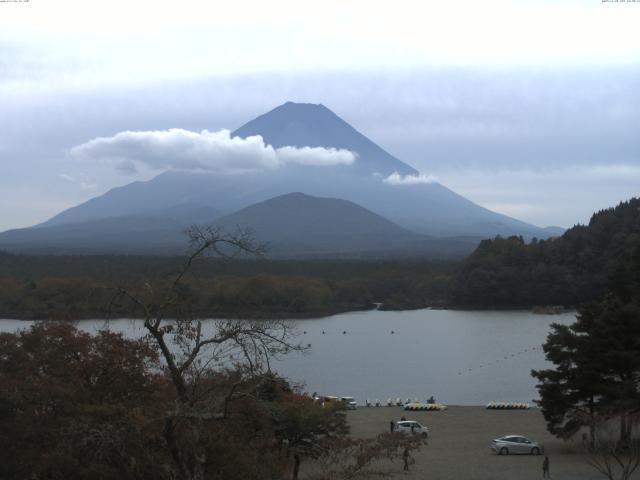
x: 614, y: 458
x: 346, y: 458
x: 194, y: 351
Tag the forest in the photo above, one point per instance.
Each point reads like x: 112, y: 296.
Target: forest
x: 76, y: 287
x: 566, y: 271
x: 582, y: 265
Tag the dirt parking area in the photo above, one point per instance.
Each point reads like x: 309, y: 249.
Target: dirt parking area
x: 458, y: 446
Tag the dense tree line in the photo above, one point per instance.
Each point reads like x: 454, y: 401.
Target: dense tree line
x: 580, y: 266
x: 73, y: 287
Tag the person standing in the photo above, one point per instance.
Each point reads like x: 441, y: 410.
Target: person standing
x: 405, y: 457
x: 545, y: 468
x: 391, y: 426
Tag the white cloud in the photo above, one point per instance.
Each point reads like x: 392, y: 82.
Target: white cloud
x: 204, y: 151
x: 315, y: 156
x: 396, y: 179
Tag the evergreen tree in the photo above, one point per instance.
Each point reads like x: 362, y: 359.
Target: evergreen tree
x: 597, y: 369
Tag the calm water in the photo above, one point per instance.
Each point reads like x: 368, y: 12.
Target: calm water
x: 460, y: 357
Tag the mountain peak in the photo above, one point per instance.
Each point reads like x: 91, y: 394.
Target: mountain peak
x: 314, y: 125
x: 305, y: 105
x: 295, y: 196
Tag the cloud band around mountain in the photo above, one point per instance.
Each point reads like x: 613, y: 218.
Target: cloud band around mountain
x: 216, y: 152
x: 396, y: 179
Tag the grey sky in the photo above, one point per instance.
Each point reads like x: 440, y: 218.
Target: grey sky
x: 543, y: 127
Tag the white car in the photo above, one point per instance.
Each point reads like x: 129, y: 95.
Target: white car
x: 350, y: 402
x: 515, y: 444
x: 411, y: 427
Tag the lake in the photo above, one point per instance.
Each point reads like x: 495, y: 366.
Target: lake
x: 459, y: 357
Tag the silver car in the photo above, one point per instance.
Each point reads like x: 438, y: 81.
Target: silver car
x: 515, y: 444
x: 412, y: 427
x: 350, y: 402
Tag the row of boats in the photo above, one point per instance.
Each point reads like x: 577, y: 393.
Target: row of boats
x: 416, y: 405
x: 408, y: 404
x: 413, y: 406
x: 507, y: 406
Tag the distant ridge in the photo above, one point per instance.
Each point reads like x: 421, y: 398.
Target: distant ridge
x: 294, y: 225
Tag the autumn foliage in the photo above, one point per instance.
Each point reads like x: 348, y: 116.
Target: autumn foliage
x: 74, y: 405
x: 99, y: 406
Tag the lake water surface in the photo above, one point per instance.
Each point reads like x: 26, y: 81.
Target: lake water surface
x: 460, y: 357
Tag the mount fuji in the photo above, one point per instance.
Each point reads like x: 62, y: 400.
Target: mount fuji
x: 385, y: 190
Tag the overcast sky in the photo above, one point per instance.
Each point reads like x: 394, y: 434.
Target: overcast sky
x: 530, y: 108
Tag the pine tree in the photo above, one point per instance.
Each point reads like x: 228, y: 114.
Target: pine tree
x: 597, y: 369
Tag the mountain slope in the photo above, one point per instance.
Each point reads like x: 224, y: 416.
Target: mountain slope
x: 158, y: 231
x: 293, y: 225
x: 134, y: 234
x: 431, y: 209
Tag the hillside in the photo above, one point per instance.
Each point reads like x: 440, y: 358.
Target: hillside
x: 299, y: 225
x: 302, y: 222
x: 580, y: 266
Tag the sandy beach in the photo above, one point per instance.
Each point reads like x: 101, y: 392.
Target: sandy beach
x: 458, y: 447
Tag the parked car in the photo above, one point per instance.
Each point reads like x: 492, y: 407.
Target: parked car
x: 350, y: 402
x: 411, y: 427
x: 515, y: 444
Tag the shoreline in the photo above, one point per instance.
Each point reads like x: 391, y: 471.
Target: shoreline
x: 31, y: 317
x: 313, y: 315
